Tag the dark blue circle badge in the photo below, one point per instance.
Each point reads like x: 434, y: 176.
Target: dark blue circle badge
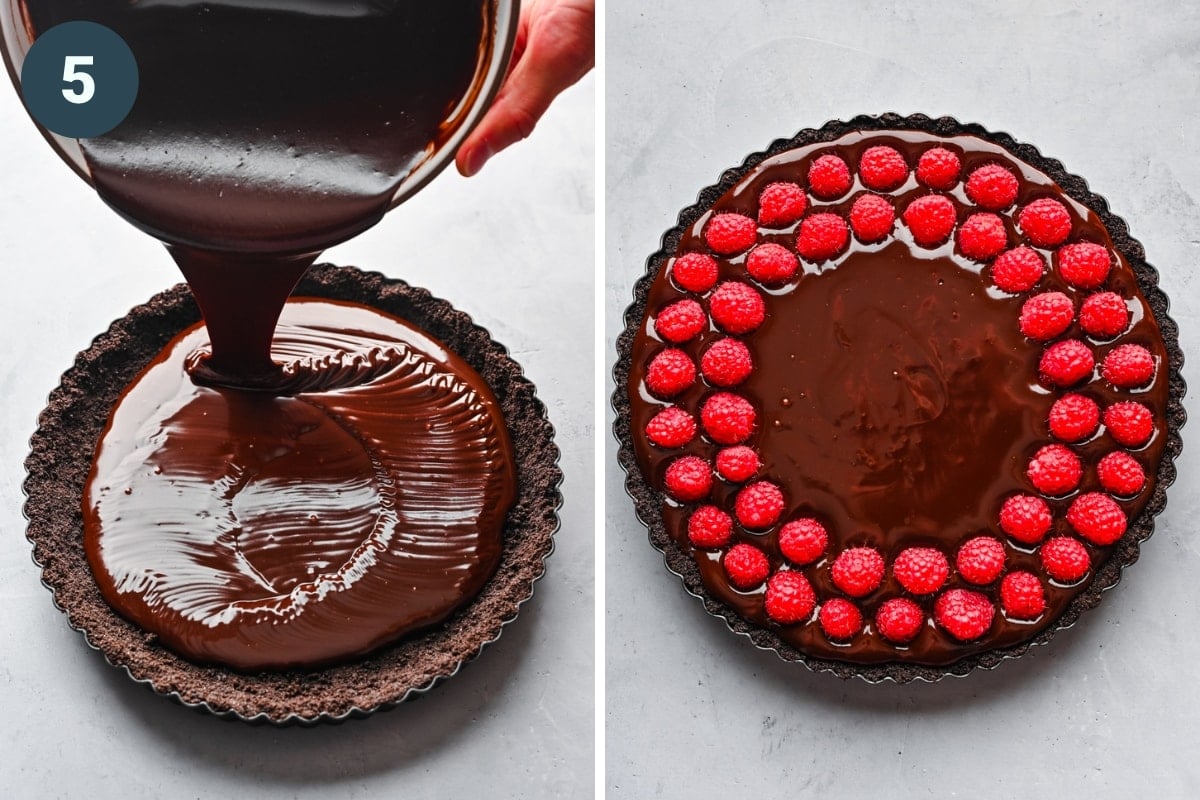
x: 79, y: 79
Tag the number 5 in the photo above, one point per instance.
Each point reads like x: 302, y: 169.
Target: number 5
x: 87, y: 85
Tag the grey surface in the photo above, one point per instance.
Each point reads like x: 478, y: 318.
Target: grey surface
x: 1109, y: 709
x: 514, y: 248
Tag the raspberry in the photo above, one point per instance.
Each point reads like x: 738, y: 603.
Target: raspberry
x: 1025, y: 518
x: 669, y: 373
x: 1065, y: 559
x: 671, y: 427
x: 931, y: 219
x: 1022, y: 596
x: 738, y: 464
x: 980, y: 560
x: 1045, y: 222
x: 727, y: 234
x: 689, y: 478
x: 695, y: 272
x: 1066, y: 363
x: 727, y: 418
x: 772, y: 264
x: 858, y: 571
x: 1054, y: 470
x: 829, y: 177
x: 1121, y: 474
x: 921, y: 570
x: 737, y: 307
x: 709, y: 527
x: 802, y: 541
x: 982, y: 236
x: 1046, y: 315
x: 883, y: 168
x: 840, y: 619
x: 899, y: 620
x: 1104, y: 315
x: 1096, y: 517
x: 1128, y: 366
x: 992, y: 187
x: 759, y: 505
x: 726, y: 363
x: 680, y: 321
x: 1084, y: 265
x: 938, y: 168
x: 790, y: 598
x: 1018, y: 270
x: 964, y: 614
x: 781, y: 204
x: 746, y: 566
x: 1131, y: 424
x: 822, y: 236
x: 1074, y: 417
x: 872, y: 217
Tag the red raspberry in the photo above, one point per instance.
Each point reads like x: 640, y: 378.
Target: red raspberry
x: 1121, y: 474
x: 727, y: 418
x: 938, y: 168
x: 709, y: 527
x: 1054, y: 470
x: 1018, y: 270
x: 829, y: 177
x: 671, y: 427
x: 727, y: 234
x: 790, y: 598
x: 802, y: 541
x: 1084, y: 265
x: 858, y: 571
x: 746, y: 566
x: 1046, y: 315
x: 680, y: 321
x: 964, y: 614
x: 1025, y: 518
x: 737, y: 307
x: 1130, y: 423
x: 931, y: 219
x: 1128, y: 366
x: 899, y: 620
x: 669, y: 373
x: 921, y: 570
x: 689, y: 478
x: 992, y: 187
x: 822, y: 236
x: 759, y: 505
x: 883, y: 168
x: 1104, y: 315
x: 738, y: 464
x: 872, y: 217
x: 1045, y: 222
x: 982, y: 236
x: 727, y: 362
x: 1066, y: 363
x: 980, y: 560
x: 1074, y: 417
x: 1096, y: 517
x: 772, y: 264
x: 840, y: 619
x: 1065, y: 559
x: 695, y: 272
x: 1022, y: 596
x: 781, y: 204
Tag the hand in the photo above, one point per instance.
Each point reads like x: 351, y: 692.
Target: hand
x: 554, y: 48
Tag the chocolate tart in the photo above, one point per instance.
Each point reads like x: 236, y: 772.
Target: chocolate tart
x: 58, y: 467
x: 842, y: 395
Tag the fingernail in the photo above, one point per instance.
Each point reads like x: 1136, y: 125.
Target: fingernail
x: 477, y: 158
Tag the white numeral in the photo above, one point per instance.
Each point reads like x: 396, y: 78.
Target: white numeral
x: 87, y: 85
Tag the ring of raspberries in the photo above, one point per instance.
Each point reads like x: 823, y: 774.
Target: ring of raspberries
x: 1013, y: 260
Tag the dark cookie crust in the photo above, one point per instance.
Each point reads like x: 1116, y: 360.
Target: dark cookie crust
x: 61, y: 453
